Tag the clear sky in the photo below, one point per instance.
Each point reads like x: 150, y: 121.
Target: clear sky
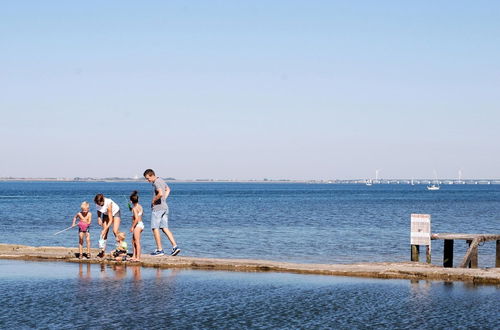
x: 250, y: 89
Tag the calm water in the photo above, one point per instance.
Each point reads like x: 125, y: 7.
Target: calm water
x: 69, y: 296
x: 324, y: 223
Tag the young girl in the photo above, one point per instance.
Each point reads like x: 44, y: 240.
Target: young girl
x: 137, y: 225
x: 85, y: 218
x: 108, y: 213
x: 120, y: 253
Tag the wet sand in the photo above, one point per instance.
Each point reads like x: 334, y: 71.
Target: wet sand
x: 387, y: 270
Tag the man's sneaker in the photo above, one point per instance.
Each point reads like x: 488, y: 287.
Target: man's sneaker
x: 175, y: 251
x: 158, y: 253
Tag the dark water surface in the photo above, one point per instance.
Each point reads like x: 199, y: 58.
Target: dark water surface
x: 321, y: 223
x: 77, y: 296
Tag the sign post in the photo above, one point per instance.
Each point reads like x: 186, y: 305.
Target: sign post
x: 420, y: 235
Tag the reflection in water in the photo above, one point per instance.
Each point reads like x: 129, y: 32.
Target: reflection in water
x: 168, y: 278
x: 419, y: 299
x: 420, y: 290
x: 87, y: 275
x: 102, y: 273
x: 136, y: 273
x: 119, y: 272
x: 59, y: 295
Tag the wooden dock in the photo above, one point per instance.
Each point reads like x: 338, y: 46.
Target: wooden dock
x: 420, y: 234
x: 471, y: 256
x: 386, y: 270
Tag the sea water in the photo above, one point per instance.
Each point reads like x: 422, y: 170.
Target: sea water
x: 47, y: 295
x: 324, y: 223
x: 311, y: 223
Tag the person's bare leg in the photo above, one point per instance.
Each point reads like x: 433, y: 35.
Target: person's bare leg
x: 80, y: 244
x: 137, y: 247
x: 170, y: 236
x: 156, y: 235
x: 116, y: 225
x: 88, y: 244
x: 134, y: 245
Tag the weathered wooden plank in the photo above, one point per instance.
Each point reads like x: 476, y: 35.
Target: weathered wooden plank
x: 470, y: 253
x: 473, y: 258
x: 448, y: 253
x: 466, y: 237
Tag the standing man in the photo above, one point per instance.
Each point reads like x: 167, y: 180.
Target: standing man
x: 159, y: 214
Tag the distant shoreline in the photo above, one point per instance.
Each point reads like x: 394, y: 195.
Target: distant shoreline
x: 319, y: 181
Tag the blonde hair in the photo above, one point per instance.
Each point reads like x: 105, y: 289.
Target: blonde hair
x: 85, y: 205
x: 121, y: 236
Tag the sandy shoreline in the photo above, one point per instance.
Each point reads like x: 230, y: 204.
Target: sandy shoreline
x: 387, y: 270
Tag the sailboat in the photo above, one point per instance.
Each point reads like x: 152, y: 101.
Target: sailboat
x: 371, y: 181
x: 435, y: 185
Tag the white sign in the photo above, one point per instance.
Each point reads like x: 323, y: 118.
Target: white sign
x: 420, y: 229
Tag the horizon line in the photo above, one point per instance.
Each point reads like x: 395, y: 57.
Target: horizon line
x: 360, y: 180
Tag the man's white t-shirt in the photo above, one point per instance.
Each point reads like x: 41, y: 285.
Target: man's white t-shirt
x: 104, y: 209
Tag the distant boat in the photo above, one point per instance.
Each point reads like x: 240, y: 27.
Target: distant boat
x: 433, y: 187
x: 369, y: 182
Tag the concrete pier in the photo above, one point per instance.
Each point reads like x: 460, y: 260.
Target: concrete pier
x: 387, y: 270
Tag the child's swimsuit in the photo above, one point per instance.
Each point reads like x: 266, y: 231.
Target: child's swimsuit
x: 140, y: 224
x: 83, y: 227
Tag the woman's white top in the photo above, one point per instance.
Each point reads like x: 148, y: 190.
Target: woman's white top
x: 104, y: 209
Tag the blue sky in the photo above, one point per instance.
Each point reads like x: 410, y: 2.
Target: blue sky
x: 250, y: 89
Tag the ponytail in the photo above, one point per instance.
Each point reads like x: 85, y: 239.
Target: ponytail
x: 134, y: 197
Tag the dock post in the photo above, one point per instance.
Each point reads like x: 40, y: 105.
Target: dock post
x: 415, y: 250
x: 428, y: 254
x: 473, y: 255
x: 497, y: 263
x: 448, y: 253
x: 470, y: 258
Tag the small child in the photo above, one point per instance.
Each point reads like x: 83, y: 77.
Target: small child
x: 85, y: 218
x: 120, y: 253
